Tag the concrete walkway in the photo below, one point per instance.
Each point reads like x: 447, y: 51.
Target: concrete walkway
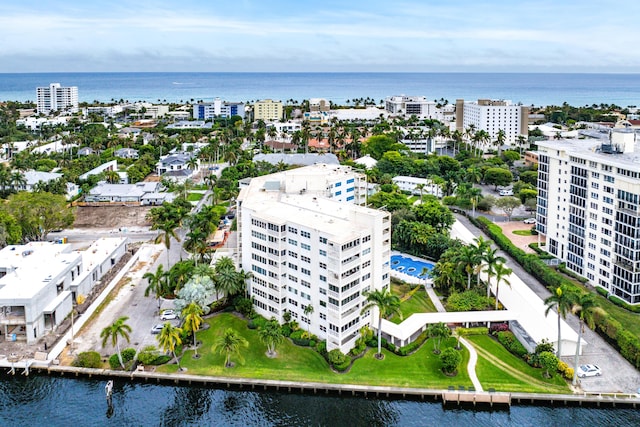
x: 473, y: 355
x: 471, y: 366
x: 435, y: 300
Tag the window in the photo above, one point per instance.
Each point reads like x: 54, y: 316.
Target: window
x: 305, y: 246
x: 305, y: 234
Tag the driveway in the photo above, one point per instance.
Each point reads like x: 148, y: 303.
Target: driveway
x: 618, y: 375
x: 522, y: 242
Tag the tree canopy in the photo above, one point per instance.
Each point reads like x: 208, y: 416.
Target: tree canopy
x: 37, y: 214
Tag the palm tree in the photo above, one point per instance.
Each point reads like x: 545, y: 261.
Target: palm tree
x: 468, y: 258
x: 387, y: 304
x: 491, y: 260
x: 229, y: 344
x: 438, y: 331
x: 501, y: 272
x: 168, y: 229
x: 112, y: 177
x: 271, y: 335
x: 169, y: 339
x: 156, y: 283
x: 18, y: 180
x: 562, y: 300
x: 118, y: 329
x: 586, y: 307
x: 308, y: 311
x: 420, y: 188
x: 192, y: 315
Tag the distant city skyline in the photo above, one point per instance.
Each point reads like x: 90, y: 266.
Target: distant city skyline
x: 353, y: 36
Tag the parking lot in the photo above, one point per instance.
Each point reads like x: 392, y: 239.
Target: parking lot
x: 131, y: 302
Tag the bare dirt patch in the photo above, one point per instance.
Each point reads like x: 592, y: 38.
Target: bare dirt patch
x: 116, y: 216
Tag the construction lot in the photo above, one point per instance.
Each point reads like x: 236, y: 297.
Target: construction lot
x: 116, y: 216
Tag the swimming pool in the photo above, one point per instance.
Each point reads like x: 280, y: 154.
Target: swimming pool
x: 411, y: 266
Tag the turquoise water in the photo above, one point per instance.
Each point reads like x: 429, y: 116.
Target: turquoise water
x: 527, y: 88
x: 410, y: 266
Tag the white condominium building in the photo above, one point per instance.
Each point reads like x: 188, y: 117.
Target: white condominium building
x: 268, y: 110
x: 418, y: 106
x: 589, y: 209
x: 306, y: 244
x: 493, y: 116
x: 57, y: 98
x: 217, y: 108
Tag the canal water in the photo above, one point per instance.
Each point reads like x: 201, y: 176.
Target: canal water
x: 54, y: 401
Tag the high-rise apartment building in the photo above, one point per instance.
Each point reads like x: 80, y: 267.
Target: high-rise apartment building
x: 589, y: 209
x: 492, y: 116
x: 307, y: 242
x: 57, y: 98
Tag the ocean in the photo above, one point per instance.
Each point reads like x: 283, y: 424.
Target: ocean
x: 537, y: 89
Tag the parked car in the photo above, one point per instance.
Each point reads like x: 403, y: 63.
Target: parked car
x: 589, y: 371
x: 157, y: 328
x: 169, y: 315
x: 506, y: 192
x: 530, y: 221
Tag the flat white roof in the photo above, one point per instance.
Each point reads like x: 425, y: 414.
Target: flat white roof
x: 29, y: 266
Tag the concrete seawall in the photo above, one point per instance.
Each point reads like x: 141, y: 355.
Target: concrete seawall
x: 459, y: 397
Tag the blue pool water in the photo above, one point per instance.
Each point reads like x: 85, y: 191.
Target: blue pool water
x: 410, y: 266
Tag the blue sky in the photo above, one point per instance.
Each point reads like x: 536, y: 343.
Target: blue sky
x: 328, y: 35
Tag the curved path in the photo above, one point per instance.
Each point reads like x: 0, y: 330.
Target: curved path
x: 471, y: 366
x: 473, y: 355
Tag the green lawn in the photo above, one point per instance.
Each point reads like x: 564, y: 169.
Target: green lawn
x: 194, y: 197
x: 501, y: 370
x: 522, y: 232
x: 422, y: 369
x: 630, y: 320
x: 419, y: 302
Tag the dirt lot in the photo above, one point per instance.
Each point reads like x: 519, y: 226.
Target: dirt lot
x: 111, y: 216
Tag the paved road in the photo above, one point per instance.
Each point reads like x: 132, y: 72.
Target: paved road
x: 618, y: 375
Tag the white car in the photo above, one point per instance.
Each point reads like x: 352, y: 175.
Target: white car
x: 530, y: 221
x: 168, y: 315
x: 589, y: 371
x: 157, y: 329
x: 506, y: 192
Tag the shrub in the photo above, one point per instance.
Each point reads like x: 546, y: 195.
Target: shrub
x: 372, y: 342
x: 286, y: 330
x: 549, y: 363
x: 499, y: 327
x: 602, y: 291
x: 481, y: 330
x: 565, y: 370
x: 256, y: 322
x: 161, y: 360
x: 148, y: 355
x: 511, y: 343
x: 114, y: 362
x: 544, y: 346
x: 467, y: 301
x: 88, y: 359
x: 243, y: 306
x: 339, y: 360
x: 411, y: 347
x: 321, y: 348
x: 450, y: 359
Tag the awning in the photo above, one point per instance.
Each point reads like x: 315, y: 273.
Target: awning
x: 55, y: 303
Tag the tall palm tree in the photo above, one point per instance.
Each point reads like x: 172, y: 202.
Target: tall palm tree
x: 468, y: 258
x: 18, y: 180
x: 491, y: 260
x: 168, y: 228
x: 308, y: 311
x: 229, y: 344
x: 192, y: 316
x: 562, y: 300
x: 271, y: 335
x: 387, y: 304
x: 501, y: 272
x: 156, y: 283
x: 585, y: 306
x: 119, y: 328
x: 169, y: 339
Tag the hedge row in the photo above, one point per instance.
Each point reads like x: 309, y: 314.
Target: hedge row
x: 625, y: 341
